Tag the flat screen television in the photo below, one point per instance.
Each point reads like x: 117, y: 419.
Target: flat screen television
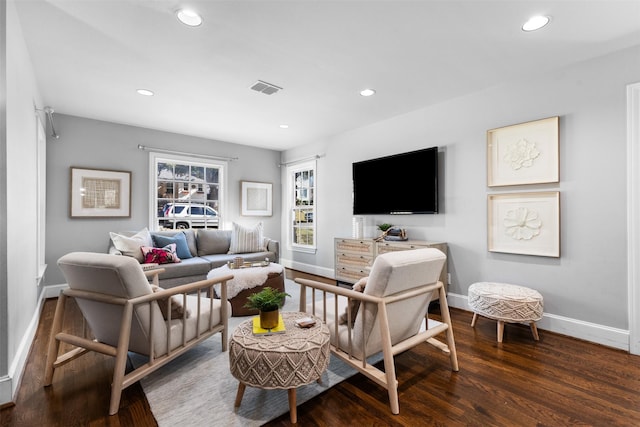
x: 404, y: 183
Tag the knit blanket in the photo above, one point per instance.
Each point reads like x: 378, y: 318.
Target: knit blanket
x: 243, y: 278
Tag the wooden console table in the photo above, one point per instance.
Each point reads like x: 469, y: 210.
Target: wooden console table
x: 354, y: 257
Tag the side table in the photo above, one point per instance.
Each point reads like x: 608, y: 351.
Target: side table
x: 281, y: 361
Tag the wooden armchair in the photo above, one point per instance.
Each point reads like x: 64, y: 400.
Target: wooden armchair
x: 124, y: 314
x: 393, y: 307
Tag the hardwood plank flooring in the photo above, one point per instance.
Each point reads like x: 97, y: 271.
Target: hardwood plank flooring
x: 558, y: 381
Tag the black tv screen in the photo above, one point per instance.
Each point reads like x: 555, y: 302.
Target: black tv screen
x: 404, y: 183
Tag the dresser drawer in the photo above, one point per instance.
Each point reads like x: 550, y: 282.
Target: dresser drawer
x: 384, y: 247
x: 351, y: 275
x: 346, y: 259
x: 355, y: 246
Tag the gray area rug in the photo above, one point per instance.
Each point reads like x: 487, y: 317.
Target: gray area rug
x: 198, y: 388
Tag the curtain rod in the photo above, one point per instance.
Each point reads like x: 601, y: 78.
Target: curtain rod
x: 290, y: 162
x: 206, y: 156
x: 48, y: 111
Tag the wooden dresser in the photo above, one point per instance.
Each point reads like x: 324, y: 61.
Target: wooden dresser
x: 354, y: 257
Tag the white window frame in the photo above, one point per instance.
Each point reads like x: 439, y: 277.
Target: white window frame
x: 291, y: 171
x: 41, y: 198
x: 155, y: 157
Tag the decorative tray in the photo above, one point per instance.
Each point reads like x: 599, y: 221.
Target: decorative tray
x: 232, y: 266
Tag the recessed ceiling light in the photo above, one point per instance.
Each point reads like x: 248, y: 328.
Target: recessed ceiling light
x: 189, y: 17
x: 145, y: 92
x: 284, y: 126
x: 535, y: 23
x: 367, y: 92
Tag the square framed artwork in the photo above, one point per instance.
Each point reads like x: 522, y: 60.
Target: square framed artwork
x: 526, y: 153
x: 257, y: 198
x: 524, y: 223
x: 98, y: 193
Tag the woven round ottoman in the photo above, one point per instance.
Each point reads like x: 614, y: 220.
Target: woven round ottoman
x: 506, y: 303
x: 287, y: 360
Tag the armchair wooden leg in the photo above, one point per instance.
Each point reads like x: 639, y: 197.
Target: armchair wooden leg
x: 446, y: 317
x: 389, y: 364
x: 54, y: 344
x: 121, y: 359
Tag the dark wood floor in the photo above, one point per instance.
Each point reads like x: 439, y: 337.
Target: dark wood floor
x: 558, y: 381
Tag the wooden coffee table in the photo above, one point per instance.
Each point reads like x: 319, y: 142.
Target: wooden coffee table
x: 282, y: 361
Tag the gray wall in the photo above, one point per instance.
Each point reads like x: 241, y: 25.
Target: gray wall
x: 18, y: 260
x: 589, y: 281
x: 103, y: 145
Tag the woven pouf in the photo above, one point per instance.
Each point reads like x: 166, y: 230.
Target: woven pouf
x: 506, y: 303
x: 286, y: 361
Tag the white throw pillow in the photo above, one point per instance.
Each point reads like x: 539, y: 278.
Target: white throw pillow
x: 130, y: 246
x: 245, y: 239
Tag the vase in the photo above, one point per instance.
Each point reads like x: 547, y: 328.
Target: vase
x: 269, y: 319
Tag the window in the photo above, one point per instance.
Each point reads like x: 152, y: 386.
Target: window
x: 302, y: 203
x: 187, y: 192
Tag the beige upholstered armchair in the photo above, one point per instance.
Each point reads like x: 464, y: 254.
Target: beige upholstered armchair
x: 123, y: 313
x: 392, y: 309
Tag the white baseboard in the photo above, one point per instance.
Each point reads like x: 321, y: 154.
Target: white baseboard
x: 600, y: 334
x: 308, y: 268
x: 52, y: 291
x: 6, y: 393
x: 10, y: 383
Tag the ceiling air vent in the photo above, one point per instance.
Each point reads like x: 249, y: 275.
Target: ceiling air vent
x: 266, y: 88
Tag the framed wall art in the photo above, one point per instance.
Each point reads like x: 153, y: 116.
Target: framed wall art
x: 257, y: 198
x: 526, y: 153
x: 524, y: 223
x: 97, y: 193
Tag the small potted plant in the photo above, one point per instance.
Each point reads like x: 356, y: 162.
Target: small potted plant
x: 384, y: 228
x: 268, y: 303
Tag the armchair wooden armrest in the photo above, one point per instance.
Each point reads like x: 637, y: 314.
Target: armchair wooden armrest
x: 154, y: 275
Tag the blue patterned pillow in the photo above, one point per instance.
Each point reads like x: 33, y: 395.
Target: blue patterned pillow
x: 182, y: 248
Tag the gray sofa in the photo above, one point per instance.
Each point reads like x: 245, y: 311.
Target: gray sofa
x: 209, y: 249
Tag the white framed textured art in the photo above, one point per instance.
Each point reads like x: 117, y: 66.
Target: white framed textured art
x: 256, y: 198
x: 524, y: 223
x: 526, y: 153
x: 97, y: 193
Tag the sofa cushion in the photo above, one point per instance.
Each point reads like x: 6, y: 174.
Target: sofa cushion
x: 130, y: 246
x: 190, y: 236
x: 246, y: 239
x: 179, y: 239
x: 213, y: 241
x: 189, y: 267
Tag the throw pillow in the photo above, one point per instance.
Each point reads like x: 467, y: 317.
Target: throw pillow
x: 182, y: 248
x: 353, y: 303
x: 130, y: 246
x: 166, y: 255
x: 177, y: 309
x: 246, y: 239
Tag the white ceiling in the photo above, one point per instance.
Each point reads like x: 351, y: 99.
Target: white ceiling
x: 90, y: 56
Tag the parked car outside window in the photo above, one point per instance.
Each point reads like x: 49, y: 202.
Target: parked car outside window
x: 188, y: 215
